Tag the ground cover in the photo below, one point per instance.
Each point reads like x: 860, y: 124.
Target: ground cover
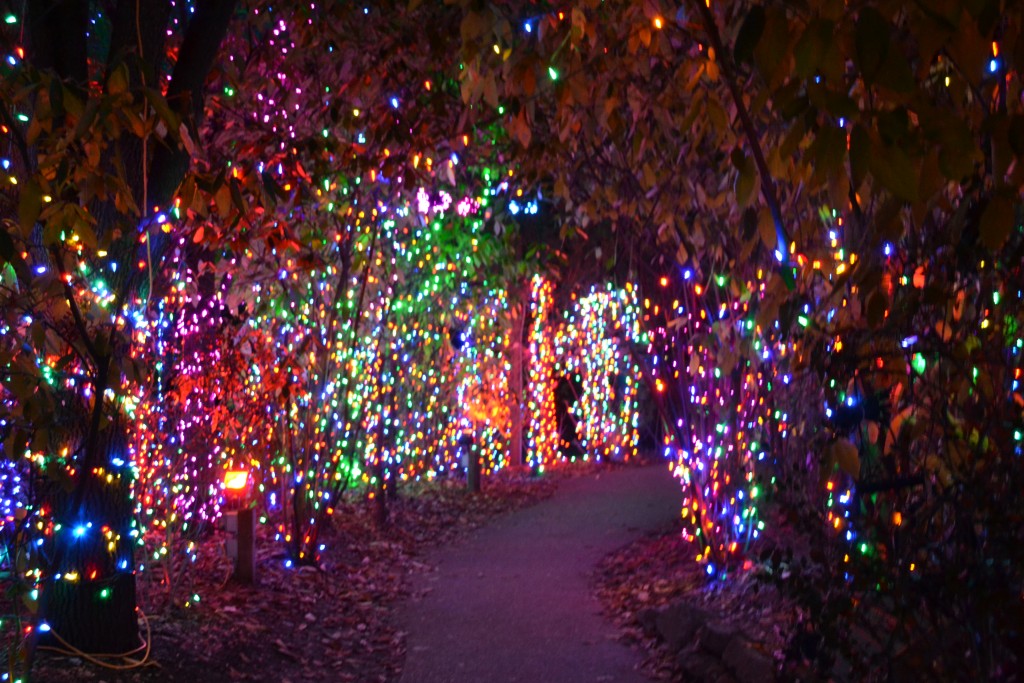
x: 311, y: 624
x: 669, y: 609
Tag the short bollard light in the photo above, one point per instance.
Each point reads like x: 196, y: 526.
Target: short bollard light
x: 236, y: 484
x: 240, y: 523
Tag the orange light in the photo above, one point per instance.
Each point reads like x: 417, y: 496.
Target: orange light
x: 664, y: 282
x: 236, y: 480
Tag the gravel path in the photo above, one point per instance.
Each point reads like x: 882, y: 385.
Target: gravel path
x: 514, y: 602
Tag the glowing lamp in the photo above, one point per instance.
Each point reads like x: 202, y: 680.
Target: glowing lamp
x: 236, y: 482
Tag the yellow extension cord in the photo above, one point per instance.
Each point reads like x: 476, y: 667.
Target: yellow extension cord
x: 98, y: 659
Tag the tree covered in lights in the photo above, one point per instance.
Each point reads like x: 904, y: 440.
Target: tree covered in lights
x: 823, y: 205
x: 819, y: 205
x: 100, y: 108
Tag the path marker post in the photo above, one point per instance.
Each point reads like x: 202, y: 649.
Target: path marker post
x: 240, y: 523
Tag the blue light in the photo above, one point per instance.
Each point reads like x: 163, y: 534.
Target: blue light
x: 79, y: 531
x: 394, y: 102
x: 888, y: 249
x: 711, y: 570
x: 993, y: 65
x: 514, y: 208
x: 527, y: 27
x: 44, y: 627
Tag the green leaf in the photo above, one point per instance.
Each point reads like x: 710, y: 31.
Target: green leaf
x: 38, y: 333
x: 162, y: 109
x: 746, y: 184
x: 895, y: 73
x: 888, y: 222
x: 996, y: 221
x: 749, y: 35
x: 829, y: 150
x: 30, y: 204
x: 891, y: 166
x: 236, y: 197
x: 877, y: 305
x: 871, y: 41
x: 812, y: 46
x: 475, y: 25
x: 772, y: 50
x: 958, y: 151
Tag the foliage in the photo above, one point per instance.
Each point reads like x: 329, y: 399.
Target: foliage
x: 864, y: 157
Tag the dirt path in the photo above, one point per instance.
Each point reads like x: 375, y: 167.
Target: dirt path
x: 513, y: 602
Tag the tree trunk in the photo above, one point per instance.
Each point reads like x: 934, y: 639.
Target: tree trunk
x: 88, y: 596
x: 380, y: 504
x: 515, y: 387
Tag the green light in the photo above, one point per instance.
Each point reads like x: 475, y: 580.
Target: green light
x: 720, y: 279
x: 1016, y: 435
x: 864, y: 548
x: 10, y: 19
x: 995, y: 298
x: 229, y: 91
x: 104, y: 594
x: 919, y: 364
x: 552, y: 73
x: 804, y: 322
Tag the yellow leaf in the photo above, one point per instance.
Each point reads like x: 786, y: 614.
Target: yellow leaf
x: 844, y: 453
x: 118, y: 81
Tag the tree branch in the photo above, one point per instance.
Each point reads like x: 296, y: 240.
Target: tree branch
x: 768, y: 190
x: 185, y: 94
x: 76, y: 313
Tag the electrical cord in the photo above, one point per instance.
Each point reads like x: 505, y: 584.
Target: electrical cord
x: 70, y: 650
